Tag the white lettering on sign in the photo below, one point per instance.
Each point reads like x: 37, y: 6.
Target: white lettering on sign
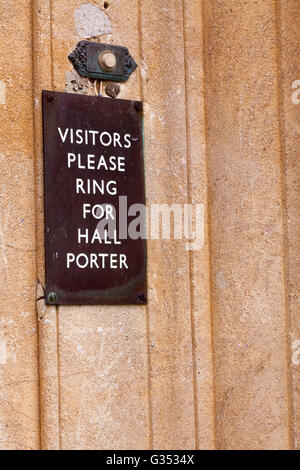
x: 102, y: 213
x: 91, y: 162
x: 97, y: 260
x: 92, y: 137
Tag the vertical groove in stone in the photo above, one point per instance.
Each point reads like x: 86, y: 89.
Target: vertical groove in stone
x: 188, y: 183
x: 198, y: 194
x: 48, y: 353
x: 58, y: 368
x: 56, y: 308
x: 288, y: 34
x: 208, y: 231
x: 149, y: 367
x: 285, y: 260
x: 162, y: 69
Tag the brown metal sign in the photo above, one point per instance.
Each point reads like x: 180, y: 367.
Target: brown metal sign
x: 94, y: 200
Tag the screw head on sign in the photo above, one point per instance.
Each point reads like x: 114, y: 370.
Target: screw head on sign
x: 141, y: 299
x: 52, y: 297
x: 138, y: 106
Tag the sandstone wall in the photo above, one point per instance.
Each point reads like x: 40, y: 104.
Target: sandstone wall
x: 213, y: 360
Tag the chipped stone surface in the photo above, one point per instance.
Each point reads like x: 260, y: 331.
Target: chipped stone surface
x: 91, y: 21
x: 76, y: 84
